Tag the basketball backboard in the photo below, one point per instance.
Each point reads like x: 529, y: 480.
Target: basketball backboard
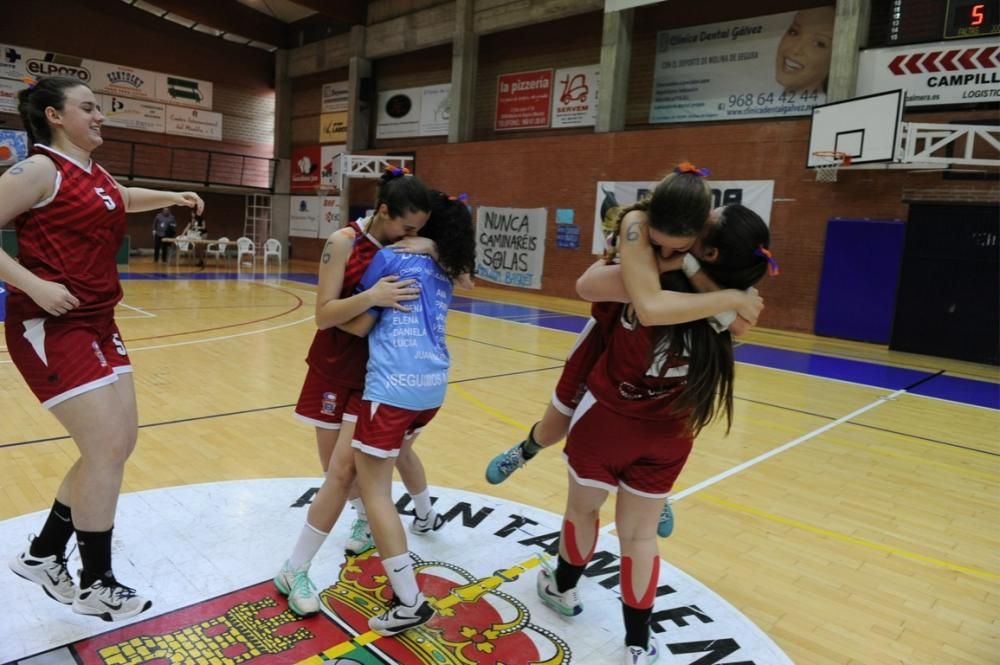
x: 865, y: 128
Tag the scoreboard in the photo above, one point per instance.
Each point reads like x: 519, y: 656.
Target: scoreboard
x: 972, y: 18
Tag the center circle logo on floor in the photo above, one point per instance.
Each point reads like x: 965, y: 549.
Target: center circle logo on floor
x: 206, y: 555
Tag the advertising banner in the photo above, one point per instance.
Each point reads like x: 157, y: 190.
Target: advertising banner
x: 933, y: 74
x: 435, y: 110
x: 13, y: 146
x: 398, y: 113
x: 122, y: 81
x: 574, y: 101
x: 9, y: 87
x: 333, y: 127
x: 195, y: 123
x: 305, y: 167
x: 524, y: 100
x: 184, y: 91
x: 134, y: 114
x: 414, y: 112
x: 769, y: 66
x: 758, y: 195
x: 303, y: 217
x: 329, y: 215
x: 334, y: 99
x: 510, y: 245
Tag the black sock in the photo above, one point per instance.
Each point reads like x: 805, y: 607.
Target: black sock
x: 95, y: 553
x: 529, y: 446
x: 636, y: 626
x: 55, y: 534
x: 567, y: 575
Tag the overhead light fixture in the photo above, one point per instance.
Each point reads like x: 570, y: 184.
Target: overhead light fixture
x: 236, y: 39
x: 179, y: 20
x: 207, y: 29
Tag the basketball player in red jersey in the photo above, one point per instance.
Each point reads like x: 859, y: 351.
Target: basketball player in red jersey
x: 665, y: 374
x: 331, y: 393
x: 69, y: 215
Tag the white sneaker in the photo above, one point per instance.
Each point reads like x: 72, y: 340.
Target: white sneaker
x: 301, y: 592
x: 399, y: 618
x: 565, y: 602
x: 111, y: 603
x: 640, y: 656
x: 49, y: 572
x: 360, y: 540
x: 423, y: 526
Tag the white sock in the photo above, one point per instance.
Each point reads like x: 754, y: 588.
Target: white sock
x: 402, y: 578
x: 360, y: 508
x: 310, y: 540
x: 422, y: 503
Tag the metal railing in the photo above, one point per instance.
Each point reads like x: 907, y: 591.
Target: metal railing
x: 151, y: 161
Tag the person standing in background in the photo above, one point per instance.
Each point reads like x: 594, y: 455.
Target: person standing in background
x: 164, y: 226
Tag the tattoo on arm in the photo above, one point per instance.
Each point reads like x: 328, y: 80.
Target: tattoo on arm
x: 632, y: 233
x: 326, y: 257
x: 16, y: 170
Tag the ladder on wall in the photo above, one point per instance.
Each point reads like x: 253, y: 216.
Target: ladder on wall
x: 257, y: 221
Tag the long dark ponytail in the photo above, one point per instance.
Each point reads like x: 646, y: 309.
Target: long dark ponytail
x: 738, y: 236
x: 33, y: 100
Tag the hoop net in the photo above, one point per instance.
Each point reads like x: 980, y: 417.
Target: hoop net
x: 829, y: 163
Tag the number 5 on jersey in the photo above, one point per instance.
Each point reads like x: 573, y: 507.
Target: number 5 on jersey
x: 109, y: 202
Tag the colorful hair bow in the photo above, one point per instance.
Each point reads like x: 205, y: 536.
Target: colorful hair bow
x: 688, y: 167
x: 30, y: 81
x: 772, y: 265
x: 397, y: 171
x: 463, y: 197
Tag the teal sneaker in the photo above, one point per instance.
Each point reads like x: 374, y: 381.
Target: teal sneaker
x: 666, y: 525
x: 360, y: 540
x: 503, y: 465
x: 300, y: 590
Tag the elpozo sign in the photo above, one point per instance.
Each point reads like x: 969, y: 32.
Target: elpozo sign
x: 934, y: 74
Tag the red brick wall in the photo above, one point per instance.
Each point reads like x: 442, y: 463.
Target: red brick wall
x: 561, y: 172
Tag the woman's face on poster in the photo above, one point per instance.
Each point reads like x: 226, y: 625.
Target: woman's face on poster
x: 803, y: 60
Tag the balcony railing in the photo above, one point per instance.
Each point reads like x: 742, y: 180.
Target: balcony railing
x: 159, y: 162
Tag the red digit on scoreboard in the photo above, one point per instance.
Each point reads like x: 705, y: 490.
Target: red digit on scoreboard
x: 977, y: 14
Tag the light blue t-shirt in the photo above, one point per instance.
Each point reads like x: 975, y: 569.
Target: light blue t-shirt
x: 407, y: 357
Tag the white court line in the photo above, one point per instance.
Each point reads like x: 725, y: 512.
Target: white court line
x: 708, y: 482
x: 209, y: 339
x: 145, y: 314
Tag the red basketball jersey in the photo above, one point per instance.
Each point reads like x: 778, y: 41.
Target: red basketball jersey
x: 626, y: 380
x: 72, y: 238
x: 339, y: 356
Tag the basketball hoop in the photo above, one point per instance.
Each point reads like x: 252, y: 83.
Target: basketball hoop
x: 828, y: 164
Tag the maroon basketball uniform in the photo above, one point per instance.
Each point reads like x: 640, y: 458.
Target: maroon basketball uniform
x: 382, y: 428
x: 70, y: 238
x: 630, y: 404
x: 336, y: 359
x: 587, y: 348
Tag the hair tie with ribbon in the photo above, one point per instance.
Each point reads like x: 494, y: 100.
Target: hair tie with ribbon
x: 30, y: 81
x: 396, y: 171
x: 463, y: 197
x: 772, y: 265
x: 688, y: 167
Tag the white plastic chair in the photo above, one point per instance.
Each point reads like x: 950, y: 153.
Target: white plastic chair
x: 182, y: 246
x: 272, y: 248
x: 245, y: 246
x: 217, y: 250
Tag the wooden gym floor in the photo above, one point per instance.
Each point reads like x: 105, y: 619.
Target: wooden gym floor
x: 870, y: 538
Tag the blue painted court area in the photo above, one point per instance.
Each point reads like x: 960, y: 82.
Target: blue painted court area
x: 929, y: 384
x: 953, y: 388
